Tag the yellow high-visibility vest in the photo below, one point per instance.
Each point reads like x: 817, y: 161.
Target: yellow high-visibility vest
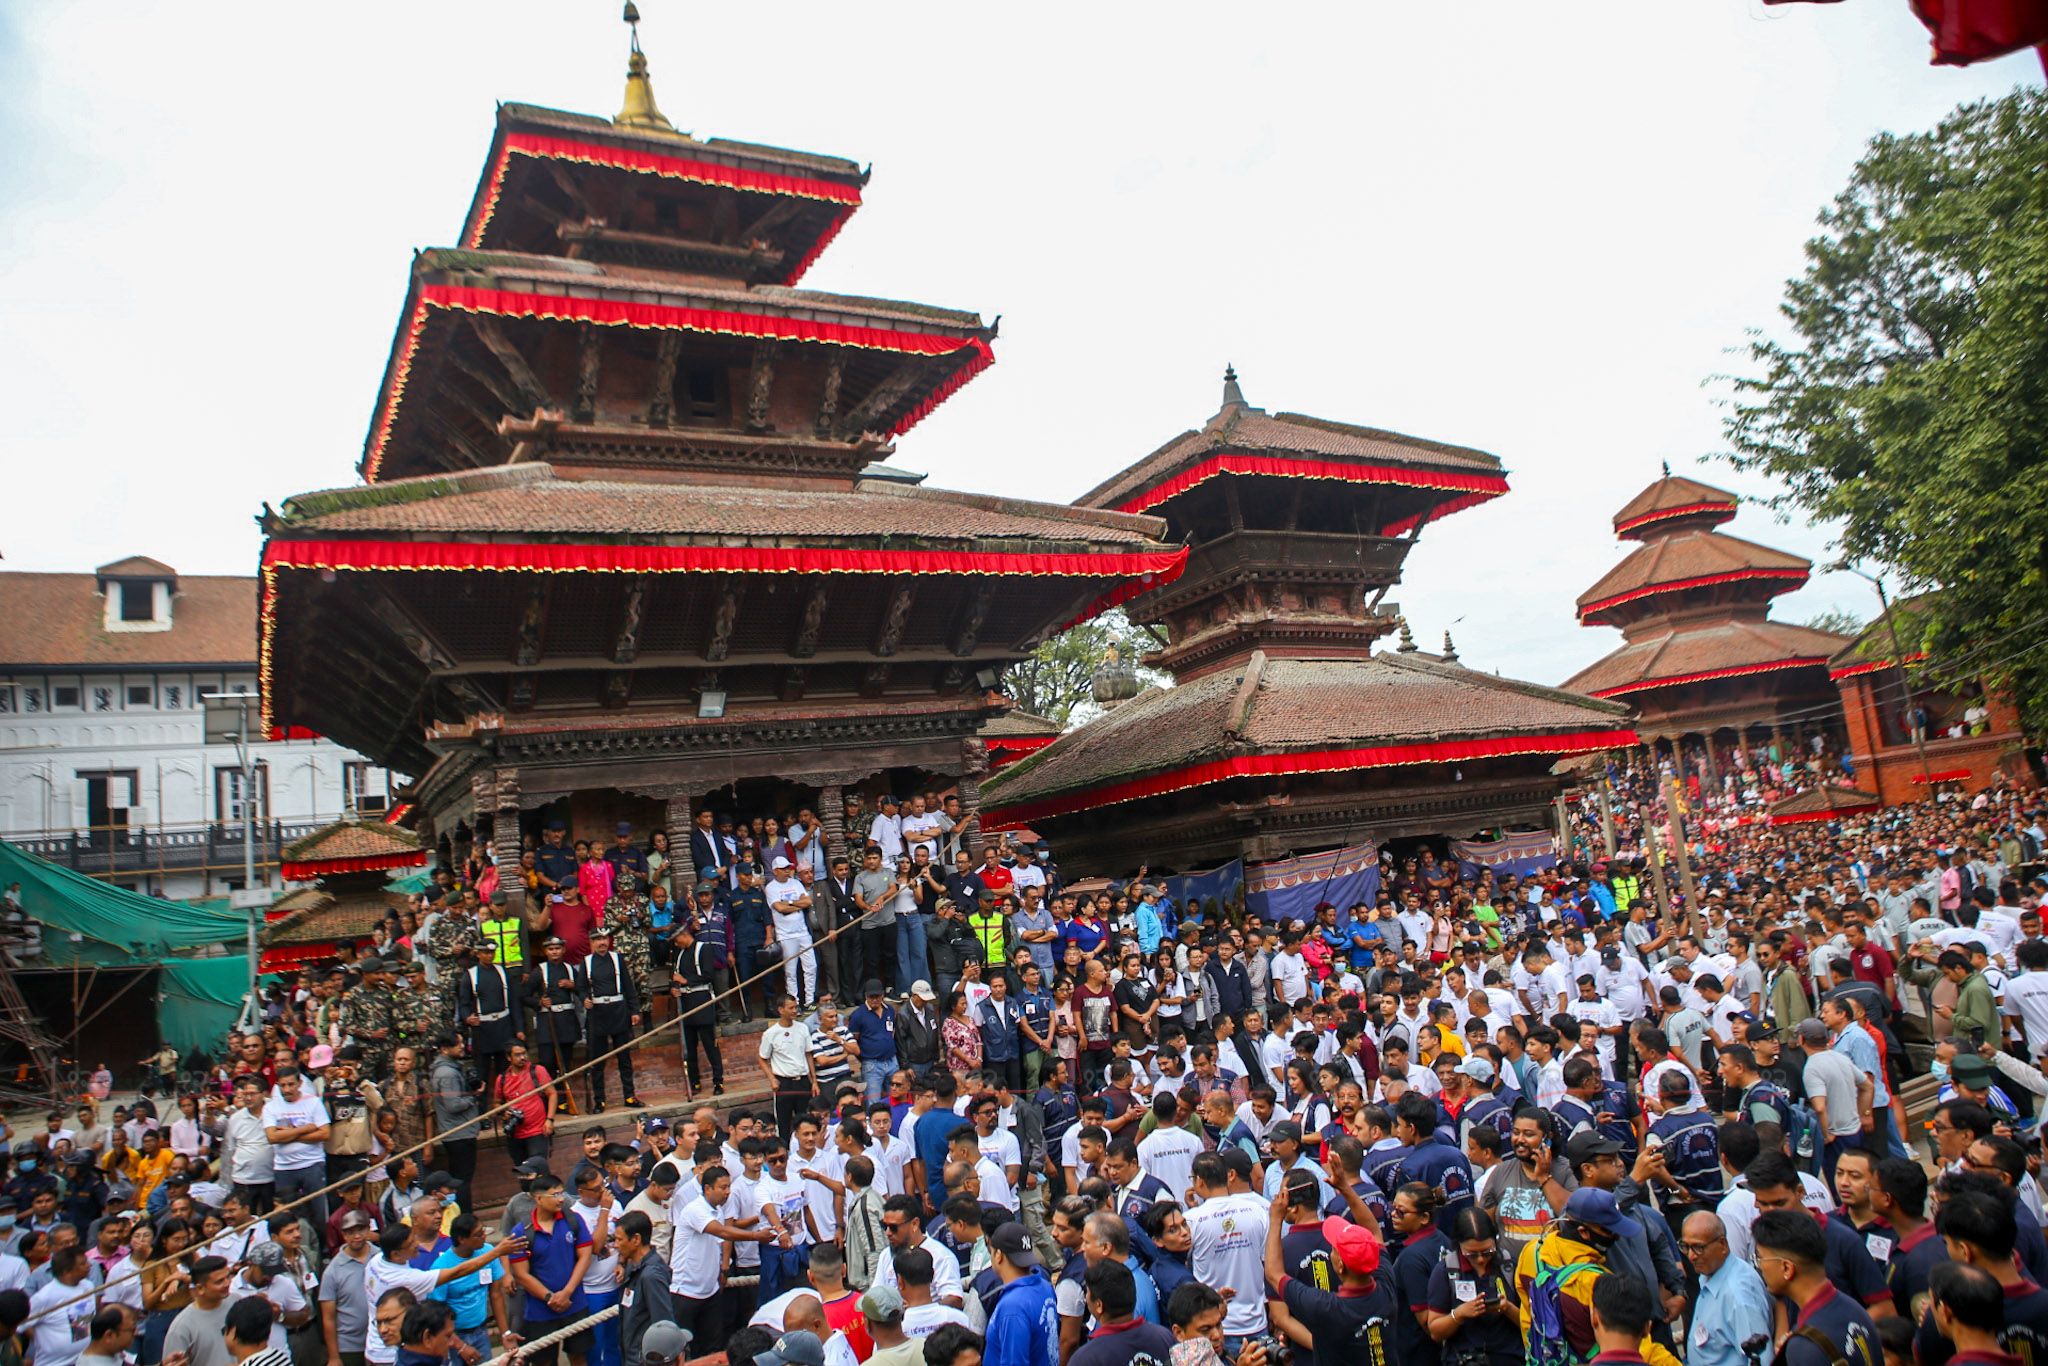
x: 510, y: 937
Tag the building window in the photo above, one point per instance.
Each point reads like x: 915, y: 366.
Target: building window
x: 64, y: 699
x: 138, y: 601
x: 358, y: 793
x: 102, y: 699
x: 174, y: 697
x: 8, y: 702
x: 141, y: 696
x: 231, y: 787
x: 32, y: 699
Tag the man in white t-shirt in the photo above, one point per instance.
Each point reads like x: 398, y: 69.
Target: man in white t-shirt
x: 694, y: 1259
x: 918, y: 829
x: 922, y: 1314
x: 389, y: 1269
x: 1227, y: 1242
x: 903, y: 1228
x: 265, y: 1275
x: 1169, y: 1151
x: 2026, y: 996
x: 887, y: 831
x: 1289, y: 972
x: 296, y: 1125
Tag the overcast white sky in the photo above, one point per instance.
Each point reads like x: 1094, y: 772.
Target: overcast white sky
x: 1531, y: 228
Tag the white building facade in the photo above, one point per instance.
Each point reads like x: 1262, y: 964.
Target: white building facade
x: 103, y: 760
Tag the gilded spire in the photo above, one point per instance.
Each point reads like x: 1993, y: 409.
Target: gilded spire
x: 1450, y: 650
x: 1231, y: 393
x: 639, y: 110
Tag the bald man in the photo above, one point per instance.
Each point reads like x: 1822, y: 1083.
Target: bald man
x: 1733, y: 1305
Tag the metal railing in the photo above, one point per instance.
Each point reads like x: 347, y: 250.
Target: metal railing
x: 109, y: 851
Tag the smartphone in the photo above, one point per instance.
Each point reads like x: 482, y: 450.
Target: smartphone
x: 1977, y: 1037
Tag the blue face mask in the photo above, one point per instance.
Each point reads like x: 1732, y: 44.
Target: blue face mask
x: 6, y: 1222
x: 28, y: 1164
x: 1940, y: 1071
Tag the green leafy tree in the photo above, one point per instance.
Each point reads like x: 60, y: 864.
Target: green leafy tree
x: 1836, y: 620
x: 1910, y: 404
x: 1058, y: 681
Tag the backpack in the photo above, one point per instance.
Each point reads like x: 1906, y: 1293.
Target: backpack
x: 1547, y: 1345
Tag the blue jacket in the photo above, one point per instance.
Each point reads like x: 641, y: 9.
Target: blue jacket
x: 1024, y: 1329
x: 1150, y: 930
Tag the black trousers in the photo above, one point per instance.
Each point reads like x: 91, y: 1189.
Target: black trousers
x: 700, y: 1032
x: 458, y: 1159
x: 703, y: 1320
x: 558, y: 1058
x: 792, y: 1098
x: 258, y: 1198
x: 877, y: 956
x: 600, y: 1044
x: 1011, y: 1070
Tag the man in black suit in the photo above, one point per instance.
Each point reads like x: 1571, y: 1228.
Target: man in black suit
x: 708, y: 851
x: 844, y: 911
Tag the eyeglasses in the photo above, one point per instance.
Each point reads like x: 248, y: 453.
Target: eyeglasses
x: 1695, y: 1249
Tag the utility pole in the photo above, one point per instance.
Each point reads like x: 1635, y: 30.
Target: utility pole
x: 228, y: 718
x: 1891, y: 626
x: 1654, y: 857
x: 1692, y: 897
x: 1607, y: 815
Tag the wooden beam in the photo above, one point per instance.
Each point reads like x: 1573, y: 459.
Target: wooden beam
x: 828, y: 401
x: 813, y: 619
x: 895, y: 620
x: 881, y: 398
x: 546, y: 210
x: 492, y: 334
x: 761, y: 384
x: 722, y: 622
x: 495, y: 384
x: 589, y: 357
x: 661, y: 404
x: 976, y: 615
x: 626, y: 645
x: 778, y: 213
x: 571, y: 191
x: 454, y: 437
x: 530, y: 633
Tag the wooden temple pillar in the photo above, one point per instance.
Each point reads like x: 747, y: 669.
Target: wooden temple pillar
x: 1710, y: 778
x: 677, y: 820
x: 505, y: 843
x: 973, y: 767
x: 832, y: 820
x: 483, y: 803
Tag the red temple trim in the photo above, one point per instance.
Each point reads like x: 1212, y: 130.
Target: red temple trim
x: 674, y: 168
x: 306, y: 872
x: 1015, y: 747
x: 1840, y: 811
x: 1679, y: 585
x: 998, y: 817
x: 1470, y: 500
x: 1676, y: 679
x: 1664, y: 514
x: 619, y: 313
x: 1947, y: 775
x: 294, y: 733
x: 1142, y: 570
x: 1483, y: 486
x: 1873, y: 666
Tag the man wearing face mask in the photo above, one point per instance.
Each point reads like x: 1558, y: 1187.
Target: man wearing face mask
x: 29, y: 1176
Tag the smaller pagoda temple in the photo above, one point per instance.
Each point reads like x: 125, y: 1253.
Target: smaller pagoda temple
x: 1285, y: 733
x: 1703, y: 658
x: 348, y: 864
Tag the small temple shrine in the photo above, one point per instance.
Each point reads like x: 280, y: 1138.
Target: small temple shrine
x: 1702, y: 657
x: 1969, y: 734
x: 1287, y: 731
x: 626, y: 539
x: 348, y: 864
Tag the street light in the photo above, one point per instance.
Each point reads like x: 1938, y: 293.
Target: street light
x: 1891, y: 625
x: 231, y: 719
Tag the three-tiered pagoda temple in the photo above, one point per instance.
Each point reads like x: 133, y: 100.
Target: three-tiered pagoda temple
x: 614, y: 551
x: 1703, y: 658
x: 1286, y: 732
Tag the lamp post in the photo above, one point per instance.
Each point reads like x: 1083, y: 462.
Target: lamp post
x: 1891, y: 626
x: 229, y: 717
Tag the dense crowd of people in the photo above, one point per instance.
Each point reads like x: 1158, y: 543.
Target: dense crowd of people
x: 1537, y: 1118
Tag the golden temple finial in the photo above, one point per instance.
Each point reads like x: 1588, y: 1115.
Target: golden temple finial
x: 639, y: 110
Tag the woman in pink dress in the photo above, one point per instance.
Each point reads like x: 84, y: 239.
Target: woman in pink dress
x: 595, y: 878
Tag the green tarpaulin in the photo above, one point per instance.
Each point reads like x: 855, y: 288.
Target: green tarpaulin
x: 69, y: 903
x: 198, y: 1000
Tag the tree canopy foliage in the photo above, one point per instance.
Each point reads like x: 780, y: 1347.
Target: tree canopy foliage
x: 1836, y: 620
x: 1911, y: 404
x: 1057, y: 682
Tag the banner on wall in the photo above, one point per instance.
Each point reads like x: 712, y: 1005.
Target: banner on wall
x: 1515, y: 855
x: 1219, y: 892
x: 1293, y: 888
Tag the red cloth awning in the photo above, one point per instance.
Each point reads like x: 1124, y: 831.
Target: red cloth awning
x: 1675, y: 680
x: 306, y: 872
x: 1835, y: 814
x: 1481, y: 487
x: 1795, y: 577
x: 1947, y: 775
x: 999, y: 817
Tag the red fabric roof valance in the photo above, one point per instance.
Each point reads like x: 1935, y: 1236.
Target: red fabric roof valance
x: 508, y: 303
x: 306, y: 872
x: 997, y: 817
x: 1794, y: 577
x: 1800, y: 819
x: 1676, y: 679
x: 1485, y: 486
x: 1947, y: 775
x: 1872, y: 666
x: 1663, y: 514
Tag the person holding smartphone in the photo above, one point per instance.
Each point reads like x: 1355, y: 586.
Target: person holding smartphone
x: 1473, y: 1312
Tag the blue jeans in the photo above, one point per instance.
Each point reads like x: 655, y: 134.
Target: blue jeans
x: 304, y: 1181
x: 480, y: 1338
x: 874, y: 1075
x: 910, y: 960
x: 604, y: 1347
x: 782, y: 1268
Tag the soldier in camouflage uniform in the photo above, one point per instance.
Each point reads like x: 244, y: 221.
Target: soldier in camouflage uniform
x: 417, y: 1011
x: 367, y: 1014
x: 452, y: 942
x: 627, y: 916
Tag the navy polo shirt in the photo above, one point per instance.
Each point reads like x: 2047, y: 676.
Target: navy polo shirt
x: 1119, y: 1344
x: 1850, y: 1266
x: 550, y: 1258
x: 1841, y: 1321
x: 875, y: 1033
x: 1384, y: 1167
x: 2024, y: 1333
x: 1444, y: 1169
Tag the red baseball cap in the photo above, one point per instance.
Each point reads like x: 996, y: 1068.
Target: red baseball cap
x: 1359, y: 1247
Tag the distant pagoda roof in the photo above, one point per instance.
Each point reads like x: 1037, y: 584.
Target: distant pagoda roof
x: 1244, y: 440
x: 1699, y: 652
x: 314, y: 915
x: 1279, y: 716
x: 1672, y: 501
x: 351, y: 847
x: 1825, y: 802
x: 1690, y: 559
